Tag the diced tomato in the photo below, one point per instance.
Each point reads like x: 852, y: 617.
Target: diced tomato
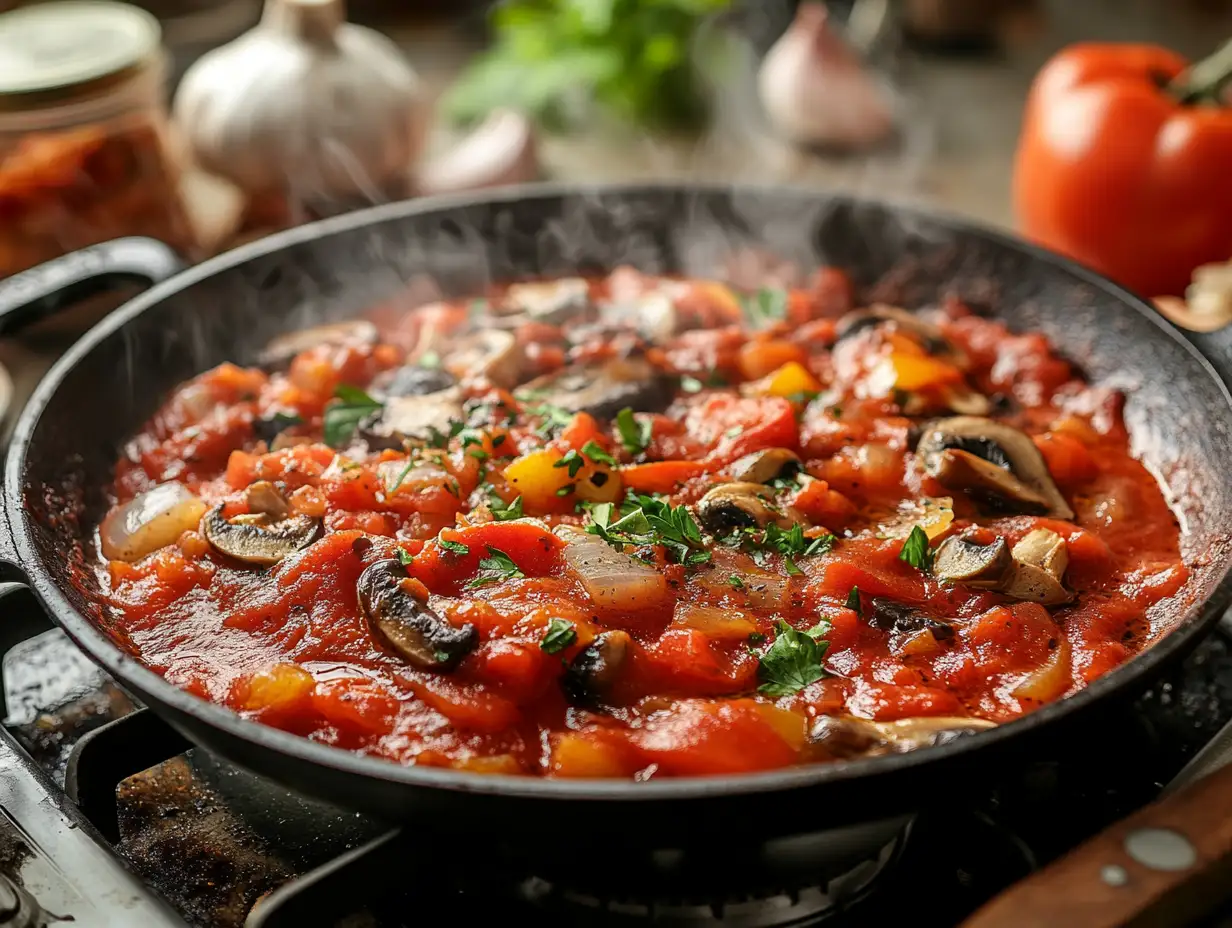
x: 357, y: 704
x: 732, y: 427
x: 660, y: 476
x: 699, y: 737
x: 443, y: 568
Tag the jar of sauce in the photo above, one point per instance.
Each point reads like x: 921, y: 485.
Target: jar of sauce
x: 84, y: 150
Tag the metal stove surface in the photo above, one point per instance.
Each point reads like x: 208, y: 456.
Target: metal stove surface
x: 107, y: 818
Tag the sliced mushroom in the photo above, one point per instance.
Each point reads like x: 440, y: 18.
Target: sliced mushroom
x: 652, y: 315
x: 604, y: 389
x: 995, y: 463
x: 596, y: 668
x: 929, y: 337
x: 491, y: 353
x: 1040, y: 562
x: 413, y: 419
x: 282, y: 349
x: 406, y: 624
x: 903, y: 618
x: 552, y: 301
x: 732, y: 506
x: 412, y: 380
x: 766, y: 466
x: 266, y: 534
x: 844, y: 737
x: 961, y: 560
x: 1033, y: 571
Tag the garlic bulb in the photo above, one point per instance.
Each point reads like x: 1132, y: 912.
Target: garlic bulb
x: 501, y: 150
x: 816, y: 90
x: 305, y: 102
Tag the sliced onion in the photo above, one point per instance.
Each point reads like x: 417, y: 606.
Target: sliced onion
x: 760, y: 588
x: 713, y: 621
x: 1050, y: 680
x: 613, y: 579
x: 149, y: 521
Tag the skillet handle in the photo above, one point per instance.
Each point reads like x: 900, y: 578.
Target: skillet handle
x: 1166, y: 865
x: 44, y: 290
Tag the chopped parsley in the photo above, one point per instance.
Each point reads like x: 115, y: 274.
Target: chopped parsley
x: 494, y: 568
x: 756, y: 638
x: 439, y: 439
x: 342, y: 417
x: 792, y: 662
x: 402, y: 475
x: 792, y: 542
x: 634, y: 435
x: 571, y: 460
x: 557, y: 636
x: 765, y: 307
x: 554, y: 418
x: 566, y: 489
x: 652, y: 522
x: 853, y: 602
x: 502, y: 511
x: 736, y: 582
x: 593, y: 451
x: 691, y: 385
x: 916, y: 551
x: 454, y: 547
x: 405, y: 557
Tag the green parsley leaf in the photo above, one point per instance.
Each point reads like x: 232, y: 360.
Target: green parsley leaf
x: 735, y: 581
x: 402, y: 475
x: 691, y: 385
x: 916, y: 551
x: 756, y: 638
x: 405, y: 557
x: 792, y: 568
x: 571, y: 460
x: 791, y: 663
x: 454, y: 547
x: 566, y: 489
x: 593, y: 451
x: 554, y: 419
x: 557, y: 636
x: 634, y: 435
x: 853, y: 601
x: 502, y: 512
x: 342, y: 417
x: 819, y: 631
x: 439, y: 439
x: 652, y: 522
x: 496, y: 567
x: 765, y: 307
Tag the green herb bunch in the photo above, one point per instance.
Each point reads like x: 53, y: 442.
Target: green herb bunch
x: 553, y: 59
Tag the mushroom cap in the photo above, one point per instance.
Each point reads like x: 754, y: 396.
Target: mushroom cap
x: 405, y: 624
x: 259, y: 538
x: 766, y: 465
x: 605, y: 388
x: 991, y: 461
x: 596, y: 667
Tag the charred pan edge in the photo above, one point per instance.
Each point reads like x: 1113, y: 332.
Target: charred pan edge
x: 231, y: 735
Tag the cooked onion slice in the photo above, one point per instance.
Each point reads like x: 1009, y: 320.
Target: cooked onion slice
x: 149, y: 521
x: 613, y: 579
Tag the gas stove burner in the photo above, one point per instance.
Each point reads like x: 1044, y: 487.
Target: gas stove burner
x: 783, y: 905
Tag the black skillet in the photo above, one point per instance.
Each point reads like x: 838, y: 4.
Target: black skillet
x: 1179, y: 413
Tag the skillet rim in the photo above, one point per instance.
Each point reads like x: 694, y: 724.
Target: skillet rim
x: 1196, y: 617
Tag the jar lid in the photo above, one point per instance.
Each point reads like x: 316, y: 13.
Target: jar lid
x: 53, y: 49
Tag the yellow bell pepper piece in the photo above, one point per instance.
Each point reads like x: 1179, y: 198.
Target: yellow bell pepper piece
x: 792, y: 379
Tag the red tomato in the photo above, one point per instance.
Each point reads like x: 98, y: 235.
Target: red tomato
x: 732, y: 426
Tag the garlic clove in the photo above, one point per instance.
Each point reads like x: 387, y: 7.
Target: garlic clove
x: 816, y: 90
x: 307, y: 103
x: 500, y: 151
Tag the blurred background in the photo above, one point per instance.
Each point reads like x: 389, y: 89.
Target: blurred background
x: 919, y: 99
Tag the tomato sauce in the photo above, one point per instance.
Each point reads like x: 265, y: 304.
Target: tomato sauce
x: 594, y: 609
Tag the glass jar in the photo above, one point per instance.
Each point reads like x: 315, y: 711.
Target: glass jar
x: 84, y: 153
